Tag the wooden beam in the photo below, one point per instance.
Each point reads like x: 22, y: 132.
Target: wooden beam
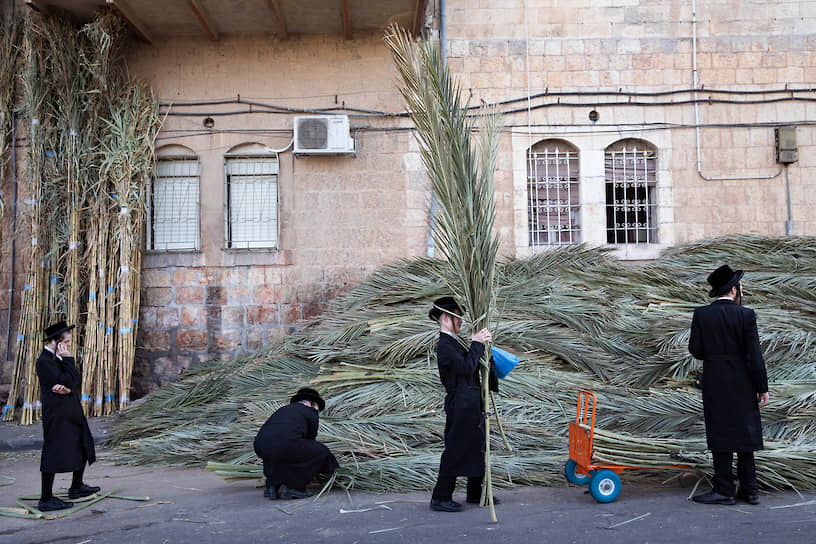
x: 126, y: 12
x: 419, y: 15
x: 37, y: 5
x: 204, y: 19
x: 346, y: 21
x: 277, y: 19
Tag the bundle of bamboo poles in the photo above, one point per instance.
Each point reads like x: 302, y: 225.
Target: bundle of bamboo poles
x: 90, y: 154
x: 9, y: 57
x: 578, y: 319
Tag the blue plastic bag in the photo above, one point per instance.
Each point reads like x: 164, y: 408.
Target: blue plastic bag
x: 505, y: 362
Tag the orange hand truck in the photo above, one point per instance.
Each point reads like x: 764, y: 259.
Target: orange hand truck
x: 603, y: 480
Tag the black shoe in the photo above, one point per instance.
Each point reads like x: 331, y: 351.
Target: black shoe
x: 288, y: 493
x: 82, y: 491
x: 445, y: 506
x: 53, y: 504
x: 750, y: 498
x: 479, y: 500
x: 714, y: 498
x: 271, y: 490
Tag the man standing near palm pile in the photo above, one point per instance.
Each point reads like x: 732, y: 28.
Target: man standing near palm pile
x: 465, y: 418
x: 67, y: 440
x: 291, y: 455
x: 734, y: 383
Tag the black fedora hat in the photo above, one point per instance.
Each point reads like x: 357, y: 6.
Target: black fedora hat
x: 52, y: 331
x: 446, y: 305
x: 723, y: 279
x: 307, y: 393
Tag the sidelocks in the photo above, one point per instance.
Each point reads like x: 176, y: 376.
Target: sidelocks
x: 603, y: 480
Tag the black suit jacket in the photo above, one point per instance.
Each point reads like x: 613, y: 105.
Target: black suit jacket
x: 724, y: 335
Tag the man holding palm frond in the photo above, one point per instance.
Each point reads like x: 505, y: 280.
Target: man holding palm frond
x: 464, y: 410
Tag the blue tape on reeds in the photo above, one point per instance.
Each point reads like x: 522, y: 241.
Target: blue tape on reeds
x: 6, y: 409
x: 54, y: 279
x: 98, y: 401
x: 125, y: 330
x: 108, y: 398
x: 110, y: 288
x: 135, y: 320
x: 86, y: 398
x: 101, y: 326
x: 26, y: 287
x: 91, y: 296
x: 20, y: 337
x: 109, y: 330
x: 27, y: 406
x: 124, y: 399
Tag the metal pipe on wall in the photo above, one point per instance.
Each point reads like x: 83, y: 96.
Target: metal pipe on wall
x: 697, y: 107
x: 443, y: 38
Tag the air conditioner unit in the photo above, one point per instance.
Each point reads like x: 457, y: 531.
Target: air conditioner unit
x: 323, y: 135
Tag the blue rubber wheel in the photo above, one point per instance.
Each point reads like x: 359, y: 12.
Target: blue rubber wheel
x: 605, y: 486
x: 574, y: 477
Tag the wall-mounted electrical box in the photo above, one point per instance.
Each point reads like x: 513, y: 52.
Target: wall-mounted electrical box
x: 786, y: 150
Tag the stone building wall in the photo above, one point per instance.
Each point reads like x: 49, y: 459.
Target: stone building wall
x: 342, y: 217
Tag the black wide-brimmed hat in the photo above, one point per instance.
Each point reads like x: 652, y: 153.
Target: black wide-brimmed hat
x: 56, y: 329
x: 723, y: 279
x: 307, y: 393
x: 445, y: 305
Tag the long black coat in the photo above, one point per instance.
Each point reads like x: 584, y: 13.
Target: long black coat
x: 464, y: 423
x: 724, y: 336
x: 286, y: 444
x: 67, y: 440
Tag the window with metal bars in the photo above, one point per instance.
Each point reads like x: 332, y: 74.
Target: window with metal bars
x: 173, y: 205
x: 552, y: 194
x: 251, y: 202
x: 631, y: 210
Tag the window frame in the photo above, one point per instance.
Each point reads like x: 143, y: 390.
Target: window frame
x: 229, y: 243
x: 571, y: 211
x: 151, y: 205
x: 649, y: 202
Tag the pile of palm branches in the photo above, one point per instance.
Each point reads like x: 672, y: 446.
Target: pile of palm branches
x: 578, y: 319
x: 89, y: 152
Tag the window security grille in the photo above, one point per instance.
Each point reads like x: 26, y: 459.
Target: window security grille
x: 630, y: 196
x: 252, y: 202
x: 173, y: 205
x: 552, y: 192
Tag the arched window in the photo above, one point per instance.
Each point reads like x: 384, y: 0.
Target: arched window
x: 631, y: 208
x: 173, y: 201
x: 251, y: 197
x: 552, y: 193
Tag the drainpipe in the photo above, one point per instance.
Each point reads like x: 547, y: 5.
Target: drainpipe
x: 697, y: 108
x: 789, y: 222
x: 443, y: 39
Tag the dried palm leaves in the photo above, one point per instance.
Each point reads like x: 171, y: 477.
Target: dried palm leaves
x: 577, y: 318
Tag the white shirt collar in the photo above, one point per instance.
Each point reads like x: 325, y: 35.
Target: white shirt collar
x: 52, y: 351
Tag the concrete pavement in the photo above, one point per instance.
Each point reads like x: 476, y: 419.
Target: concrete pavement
x: 191, y: 505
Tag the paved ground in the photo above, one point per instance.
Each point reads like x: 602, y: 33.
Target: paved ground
x: 195, y: 506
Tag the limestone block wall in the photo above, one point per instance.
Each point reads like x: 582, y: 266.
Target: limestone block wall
x: 340, y: 217
x: 504, y: 50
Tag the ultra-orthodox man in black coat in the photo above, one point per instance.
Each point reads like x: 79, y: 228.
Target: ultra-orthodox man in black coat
x: 464, y: 422
x: 724, y: 335
x: 286, y: 444
x: 67, y: 440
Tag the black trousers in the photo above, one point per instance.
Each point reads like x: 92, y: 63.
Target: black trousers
x: 724, y: 477
x: 445, y: 485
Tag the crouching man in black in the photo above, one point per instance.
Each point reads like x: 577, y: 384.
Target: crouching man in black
x: 67, y: 440
x: 291, y: 455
